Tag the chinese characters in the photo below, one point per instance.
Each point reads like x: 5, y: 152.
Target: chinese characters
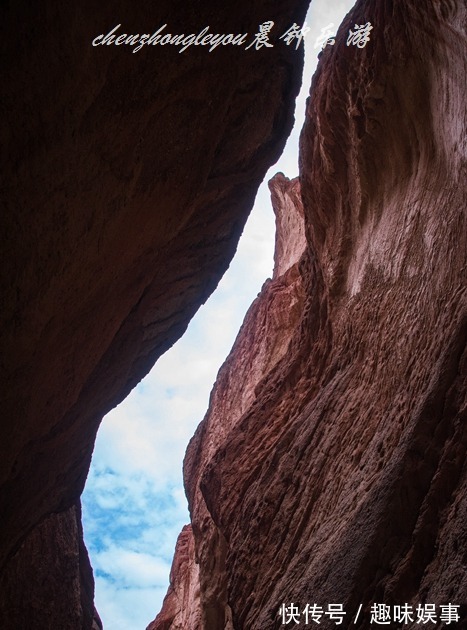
x: 380, y: 614
x: 295, y: 32
x: 326, y: 37
x: 262, y: 36
x: 359, y: 37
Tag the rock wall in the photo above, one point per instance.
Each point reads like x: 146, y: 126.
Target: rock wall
x: 50, y: 577
x: 126, y: 179
x: 335, y: 471
x: 261, y: 343
x: 181, y: 607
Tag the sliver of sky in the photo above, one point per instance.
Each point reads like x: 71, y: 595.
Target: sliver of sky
x: 134, y: 504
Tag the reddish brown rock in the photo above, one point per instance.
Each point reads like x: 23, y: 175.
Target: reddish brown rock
x: 181, y: 607
x: 335, y: 472
x: 50, y: 577
x: 262, y: 341
x: 127, y: 180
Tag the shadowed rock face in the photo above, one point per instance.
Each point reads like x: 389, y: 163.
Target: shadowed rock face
x: 128, y: 179
x: 335, y: 472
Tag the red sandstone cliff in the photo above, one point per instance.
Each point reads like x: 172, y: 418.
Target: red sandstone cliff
x: 330, y: 467
x: 181, y: 607
x: 126, y: 181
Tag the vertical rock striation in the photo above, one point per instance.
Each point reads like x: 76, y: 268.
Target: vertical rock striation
x: 330, y: 467
x: 181, y: 607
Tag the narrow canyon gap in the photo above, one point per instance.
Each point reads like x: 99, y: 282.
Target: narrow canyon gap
x: 330, y: 467
x: 133, y: 504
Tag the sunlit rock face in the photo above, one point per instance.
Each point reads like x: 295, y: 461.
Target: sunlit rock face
x: 128, y: 179
x: 330, y: 467
x: 181, y: 607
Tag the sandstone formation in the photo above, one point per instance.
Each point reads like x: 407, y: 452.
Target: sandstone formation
x: 181, y: 607
x: 330, y: 467
x: 127, y: 179
x: 262, y: 341
x: 50, y: 573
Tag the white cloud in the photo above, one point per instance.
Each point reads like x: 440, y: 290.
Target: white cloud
x: 126, y: 608
x: 131, y: 568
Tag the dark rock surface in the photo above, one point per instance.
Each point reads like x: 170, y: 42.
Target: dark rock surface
x: 50, y: 578
x: 126, y: 182
x: 340, y: 477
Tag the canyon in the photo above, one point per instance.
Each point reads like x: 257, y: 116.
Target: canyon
x: 330, y: 466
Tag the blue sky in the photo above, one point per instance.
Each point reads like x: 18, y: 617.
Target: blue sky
x: 134, y: 504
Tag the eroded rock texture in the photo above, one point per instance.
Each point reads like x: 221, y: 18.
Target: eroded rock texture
x: 181, y: 607
x: 331, y: 468
x: 127, y: 179
x: 50, y: 572
x: 261, y: 343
